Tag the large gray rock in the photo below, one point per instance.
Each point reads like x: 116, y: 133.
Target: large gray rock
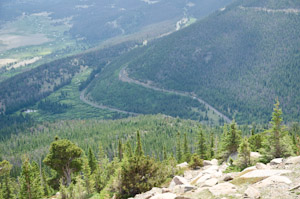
x: 183, y: 165
x: 264, y: 173
x: 215, y: 162
x: 178, y: 180
x: 273, y: 180
x: 203, y: 179
x: 164, y: 196
x: 181, y: 189
x: 255, y: 155
x: 233, y: 156
x: 292, y: 160
x: 149, y: 194
x: 207, y: 163
x: 228, y: 177
x: 276, y: 161
x: 211, y: 182
x: 260, y: 165
x: 225, y: 188
x: 214, y: 171
x: 252, y: 193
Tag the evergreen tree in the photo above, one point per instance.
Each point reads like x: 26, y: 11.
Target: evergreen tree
x: 278, y: 143
x: 186, y: 150
x: 244, y: 154
x: 128, y: 150
x: 30, y: 181
x: 64, y: 158
x: 89, y: 182
x: 256, y: 141
x: 178, y: 148
x: 202, y: 149
x: 165, y: 156
x: 196, y: 161
x: 46, y: 188
x: 212, y: 145
x: 120, y: 150
x: 92, y: 160
x: 138, y: 150
x: 6, y: 186
x: 101, y: 174
x: 230, y: 140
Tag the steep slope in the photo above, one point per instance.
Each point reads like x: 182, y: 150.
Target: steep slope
x: 239, y: 59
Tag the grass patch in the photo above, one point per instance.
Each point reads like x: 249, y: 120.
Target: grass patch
x: 241, y: 181
x: 70, y: 95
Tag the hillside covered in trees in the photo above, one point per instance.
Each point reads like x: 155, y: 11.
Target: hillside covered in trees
x: 102, y: 159
x: 238, y: 59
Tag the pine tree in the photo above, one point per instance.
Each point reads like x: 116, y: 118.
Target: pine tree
x: 196, y: 161
x: 30, y: 182
x: 6, y: 186
x: 165, y: 156
x: 278, y: 143
x: 186, y: 150
x: 138, y: 173
x: 101, y: 174
x: 230, y: 140
x: 92, y: 160
x: 120, y: 150
x: 65, y: 158
x: 46, y: 188
x: 244, y: 154
x: 89, y: 182
x: 138, y: 150
x: 202, y: 149
x: 178, y: 148
x: 212, y: 145
x: 128, y: 150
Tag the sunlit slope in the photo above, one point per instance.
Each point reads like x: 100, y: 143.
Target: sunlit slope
x: 239, y: 59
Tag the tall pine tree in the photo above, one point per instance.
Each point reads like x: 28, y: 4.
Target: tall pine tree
x: 186, y: 150
x: 278, y: 143
x: 30, y: 181
x: 92, y: 160
x: 201, y: 145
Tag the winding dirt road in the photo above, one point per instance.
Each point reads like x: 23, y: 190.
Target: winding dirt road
x: 123, y: 76
x: 85, y: 100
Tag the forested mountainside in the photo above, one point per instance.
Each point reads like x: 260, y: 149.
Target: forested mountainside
x: 105, y: 159
x: 239, y: 60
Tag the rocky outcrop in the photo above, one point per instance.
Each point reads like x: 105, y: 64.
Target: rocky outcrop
x: 264, y: 173
x: 277, y: 179
x: 225, y: 188
x: 276, y: 161
x: 252, y: 193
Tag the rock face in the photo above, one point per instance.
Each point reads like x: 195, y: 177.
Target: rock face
x: 264, y: 173
x: 228, y: 177
x: 223, y: 189
x: 252, y: 193
x: 262, y: 181
x: 292, y: 160
x: 276, y: 161
x: 255, y: 155
x: 178, y: 180
x: 183, y: 165
x: 260, y: 165
x: 273, y: 180
x: 211, y: 182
